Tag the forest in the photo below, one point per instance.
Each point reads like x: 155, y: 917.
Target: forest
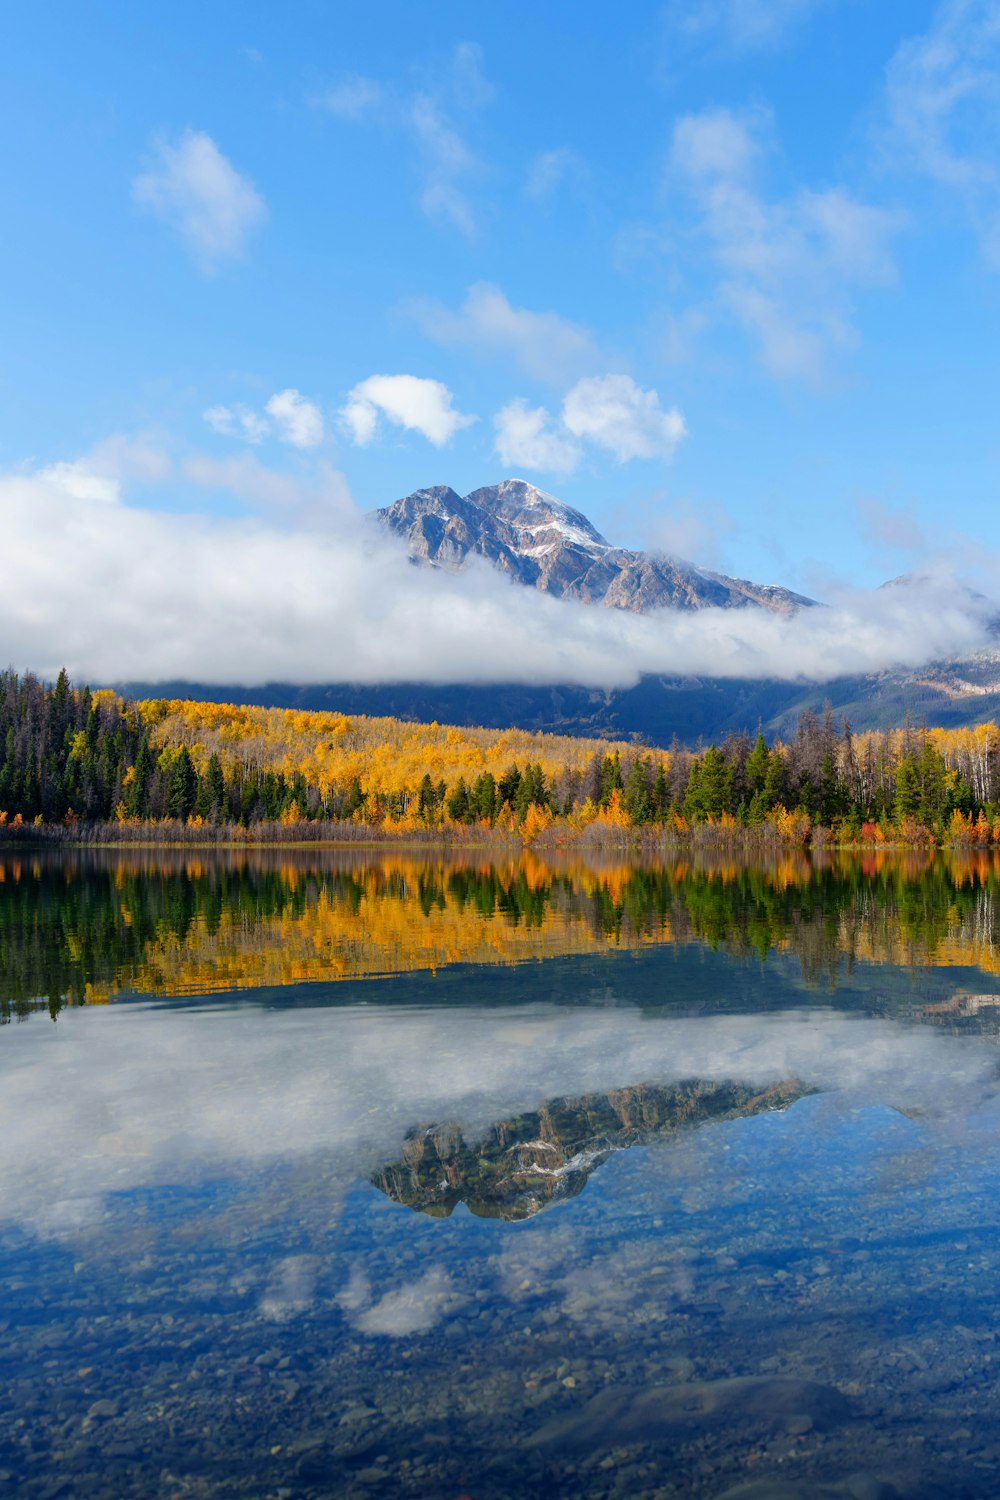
x: 73, y: 761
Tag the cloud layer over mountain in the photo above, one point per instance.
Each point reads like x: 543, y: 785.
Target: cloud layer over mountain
x: 118, y: 592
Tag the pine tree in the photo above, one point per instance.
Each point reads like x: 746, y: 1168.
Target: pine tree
x: 426, y: 798
x: 758, y: 763
x: 212, y: 791
x: 182, y: 787
x: 661, y: 794
x: 907, y: 798
x: 637, y: 794
x: 458, y: 802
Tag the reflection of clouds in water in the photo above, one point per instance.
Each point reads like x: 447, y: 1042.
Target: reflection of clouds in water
x: 291, y: 1287
x: 357, y: 1294
x: 415, y: 1307
x: 114, y: 1100
x: 589, y: 1279
x: 609, y: 1282
x: 68, y: 1214
x: 527, y: 1261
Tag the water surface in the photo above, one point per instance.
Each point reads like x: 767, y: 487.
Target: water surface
x: 376, y: 1176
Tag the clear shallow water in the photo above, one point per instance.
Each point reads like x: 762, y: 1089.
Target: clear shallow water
x: 591, y: 1208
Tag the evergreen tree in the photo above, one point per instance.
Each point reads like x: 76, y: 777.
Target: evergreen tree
x: 426, y: 798
x: 182, y: 787
x: 458, y: 802
x: 775, y: 783
x: 507, y: 788
x: 483, y: 798
x: 933, y: 786
x: 907, y: 798
x: 637, y: 793
x: 832, y: 799
x: 661, y: 794
x: 757, y: 766
x: 710, y: 790
x: 212, y: 791
x: 611, y: 777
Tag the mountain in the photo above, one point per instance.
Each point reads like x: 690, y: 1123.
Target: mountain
x: 538, y: 541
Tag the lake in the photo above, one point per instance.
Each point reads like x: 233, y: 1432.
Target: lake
x: 389, y: 1173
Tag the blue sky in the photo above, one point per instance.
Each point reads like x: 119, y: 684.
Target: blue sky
x: 724, y: 274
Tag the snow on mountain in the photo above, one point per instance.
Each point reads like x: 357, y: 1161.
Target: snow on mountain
x: 543, y: 543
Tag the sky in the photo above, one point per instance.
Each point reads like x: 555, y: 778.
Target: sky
x: 722, y: 274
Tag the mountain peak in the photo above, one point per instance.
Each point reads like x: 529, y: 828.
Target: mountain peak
x: 538, y: 540
x: 533, y: 510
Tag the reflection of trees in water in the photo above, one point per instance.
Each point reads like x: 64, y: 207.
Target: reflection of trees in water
x: 88, y: 927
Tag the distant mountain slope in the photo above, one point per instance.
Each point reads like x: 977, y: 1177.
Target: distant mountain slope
x: 654, y: 711
x: 540, y: 542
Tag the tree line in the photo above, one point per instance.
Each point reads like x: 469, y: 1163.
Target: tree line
x: 70, y: 756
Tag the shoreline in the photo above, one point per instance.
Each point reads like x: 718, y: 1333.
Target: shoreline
x: 638, y: 839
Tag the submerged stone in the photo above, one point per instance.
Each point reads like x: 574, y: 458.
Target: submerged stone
x: 626, y: 1414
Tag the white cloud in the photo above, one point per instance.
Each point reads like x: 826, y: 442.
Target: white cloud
x: 238, y: 421
x: 787, y: 346
x: 788, y: 269
x: 423, y: 406
x: 124, y: 458
x: 200, y: 194
x: 545, y: 345
x: 525, y: 438
x: 100, y: 474
x: 427, y: 119
x: 469, y: 85
x: 287, y: 415
x: 353, y: 99
x: 296, y: 420
x: 715, y: 143
x: 550, y: 169
x: 244, y: 476
x: 854, y: 236
x: 742, y: 25
x: 448, y: 162
x: 80, y: 481
x: 608, y: 411
x: 894, y: 530
x: 943, y: 110
x: 158, y: 596
x: 615, y: 413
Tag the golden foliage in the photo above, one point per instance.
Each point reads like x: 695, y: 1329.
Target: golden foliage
x: 389, y: 757
x: 536, y: 821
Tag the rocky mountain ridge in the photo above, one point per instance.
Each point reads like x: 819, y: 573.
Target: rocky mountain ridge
x: 540, y: 542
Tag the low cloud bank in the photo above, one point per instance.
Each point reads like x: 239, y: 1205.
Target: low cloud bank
x: 117, y: 592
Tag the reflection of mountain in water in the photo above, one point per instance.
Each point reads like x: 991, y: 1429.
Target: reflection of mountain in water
x: 531, y: 1160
